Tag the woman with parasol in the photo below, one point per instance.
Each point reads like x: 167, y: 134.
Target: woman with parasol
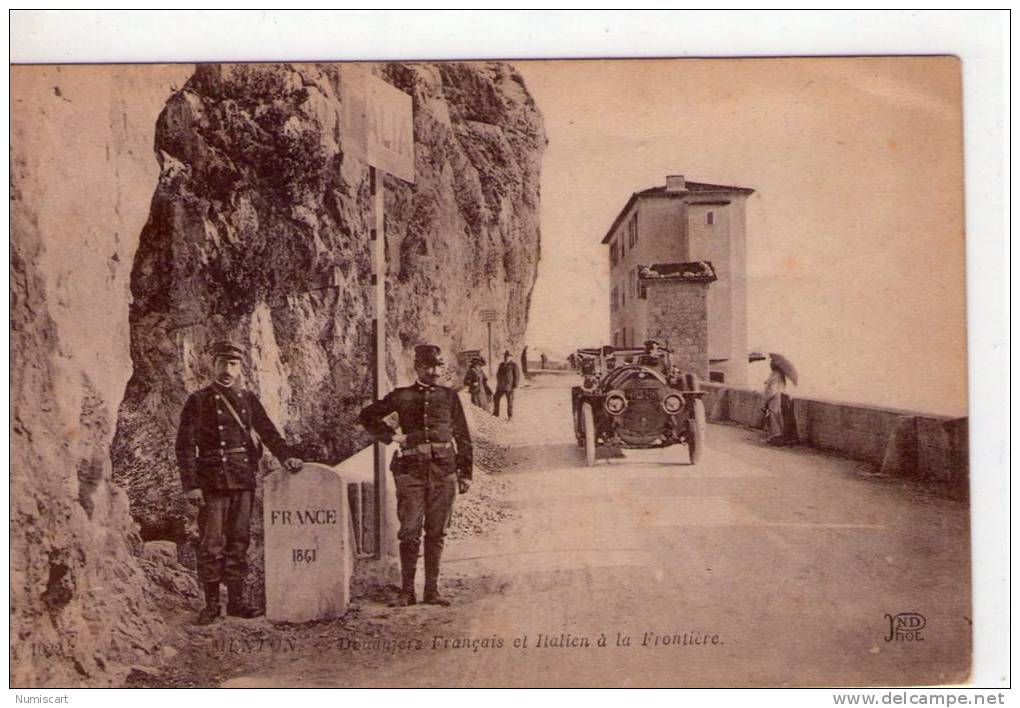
x: 778, y: 408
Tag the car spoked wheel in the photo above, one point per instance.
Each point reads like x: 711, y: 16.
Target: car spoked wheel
x: 696, y: 431
x: 578, y: 428
x: 588, y: 423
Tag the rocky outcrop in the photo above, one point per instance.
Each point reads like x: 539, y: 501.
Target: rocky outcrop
x: 259, y: 230
x: 81, y: 178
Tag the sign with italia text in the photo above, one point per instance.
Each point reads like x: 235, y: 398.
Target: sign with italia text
x: 378, y: 122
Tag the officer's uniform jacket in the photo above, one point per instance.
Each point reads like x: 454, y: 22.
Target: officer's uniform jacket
x: 433, y: 420
x: 214, y: 453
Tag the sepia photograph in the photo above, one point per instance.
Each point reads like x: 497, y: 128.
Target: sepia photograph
x: 625, y: 372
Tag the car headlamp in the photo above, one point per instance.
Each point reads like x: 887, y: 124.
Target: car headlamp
x: 672, y: 403
x: 616, y: 403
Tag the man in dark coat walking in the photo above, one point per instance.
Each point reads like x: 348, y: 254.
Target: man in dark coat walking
x: 434, y: 463
x: 507, y: 378
x: 219, y: 444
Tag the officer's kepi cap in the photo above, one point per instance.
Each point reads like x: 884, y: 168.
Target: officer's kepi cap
x: 650, y: 342
x: 428, y: 355
x: 226, y: 349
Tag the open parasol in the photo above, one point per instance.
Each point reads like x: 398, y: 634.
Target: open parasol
x: 785, y: 366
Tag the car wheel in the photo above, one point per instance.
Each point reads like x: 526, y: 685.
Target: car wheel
x: 696, y: 432
x: 588, y: 422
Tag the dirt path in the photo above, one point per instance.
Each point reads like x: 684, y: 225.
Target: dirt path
x: 759, y: 566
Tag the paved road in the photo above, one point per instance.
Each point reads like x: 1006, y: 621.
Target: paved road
x: 757, y: 567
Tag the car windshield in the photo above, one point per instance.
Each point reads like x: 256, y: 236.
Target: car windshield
x: 617, y: 376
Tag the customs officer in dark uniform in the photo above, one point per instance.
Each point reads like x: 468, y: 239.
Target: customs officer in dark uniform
x: 218, y: 454
x: 434, y: 463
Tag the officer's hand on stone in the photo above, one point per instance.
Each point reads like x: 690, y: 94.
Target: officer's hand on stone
x: 399, y: 438
x: 294, y: 464
x: 463, y: 485
x: 195, y: 498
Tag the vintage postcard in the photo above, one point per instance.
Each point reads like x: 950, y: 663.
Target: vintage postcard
x: 506, y: 373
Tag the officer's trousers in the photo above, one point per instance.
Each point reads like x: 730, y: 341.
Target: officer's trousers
x: 224, y: 525
x: 425, y: 494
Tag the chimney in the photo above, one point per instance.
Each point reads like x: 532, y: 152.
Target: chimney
x: 676, y: 183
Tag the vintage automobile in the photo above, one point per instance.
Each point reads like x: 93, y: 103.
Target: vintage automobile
x: 628, y: 399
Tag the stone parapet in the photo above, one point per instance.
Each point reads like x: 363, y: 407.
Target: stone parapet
x: 900, y: 443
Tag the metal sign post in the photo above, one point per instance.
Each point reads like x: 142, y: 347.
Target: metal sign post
x: 488, y: 317
x: 379, y: 345
x: 378, y: 127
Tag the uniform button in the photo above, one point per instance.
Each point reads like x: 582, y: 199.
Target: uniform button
x: 220, y: 427
x: 223, y: 444
x: 217, y: 397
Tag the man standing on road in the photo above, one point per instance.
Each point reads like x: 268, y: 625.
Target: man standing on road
x: 507, y: 378
x: 219, y: 444
x: 433, y: 464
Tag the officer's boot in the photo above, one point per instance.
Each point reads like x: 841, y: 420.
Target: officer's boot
x: 236, y: 605
x: 408, y: 567
x: 432, y: 596
x: 211, y: 612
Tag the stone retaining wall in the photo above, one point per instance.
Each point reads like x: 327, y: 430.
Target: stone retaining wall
x: 930, y: 448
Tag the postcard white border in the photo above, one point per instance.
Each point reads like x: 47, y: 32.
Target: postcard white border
x: 980, y: 39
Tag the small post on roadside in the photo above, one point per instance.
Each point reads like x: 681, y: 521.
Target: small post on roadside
x: 488, y: 317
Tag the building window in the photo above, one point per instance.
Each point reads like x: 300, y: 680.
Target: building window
x: 614, y: 300
x: 614, y: 255
x: 623, y: 296
x: 710, y: 218
x: 632, y: 231
x: 623, y: 248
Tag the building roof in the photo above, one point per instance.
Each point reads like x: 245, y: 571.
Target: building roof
x: 697, y: 187
x: 660, y: 192
x: 694, y: 271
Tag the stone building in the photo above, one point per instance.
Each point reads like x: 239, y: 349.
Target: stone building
x: 676, y: 309
x: 684, y: 223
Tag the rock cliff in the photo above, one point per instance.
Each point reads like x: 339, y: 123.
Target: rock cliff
x: 259, y: 231
x: 81, y: 178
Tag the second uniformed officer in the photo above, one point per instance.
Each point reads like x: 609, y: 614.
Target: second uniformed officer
x: 433, y: 464
x: 217, y: 455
